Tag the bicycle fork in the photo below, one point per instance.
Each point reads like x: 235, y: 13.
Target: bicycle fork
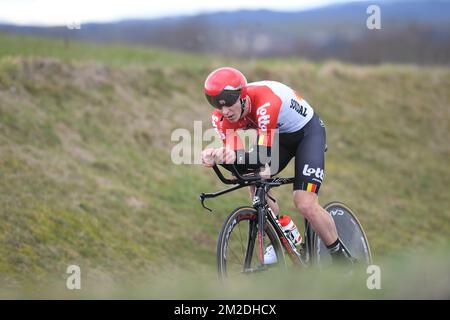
x: 258, y: 204
x: 256, y: 233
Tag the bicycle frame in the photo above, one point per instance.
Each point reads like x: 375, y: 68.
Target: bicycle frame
x: 265, y: 215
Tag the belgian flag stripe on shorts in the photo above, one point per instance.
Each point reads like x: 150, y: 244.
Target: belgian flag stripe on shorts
x: 311, y: 187
x: 261, y: 140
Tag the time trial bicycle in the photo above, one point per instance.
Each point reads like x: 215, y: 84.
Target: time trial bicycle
x: 249, y: 231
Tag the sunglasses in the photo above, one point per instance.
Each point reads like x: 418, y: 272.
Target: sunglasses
x: 226, y: 98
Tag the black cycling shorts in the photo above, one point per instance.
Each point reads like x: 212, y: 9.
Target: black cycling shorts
x: 308, y: 147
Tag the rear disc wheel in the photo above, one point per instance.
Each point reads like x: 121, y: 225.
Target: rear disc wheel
x: 351, y: 234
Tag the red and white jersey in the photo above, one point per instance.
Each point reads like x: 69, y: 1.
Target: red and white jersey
x: 273, y: 106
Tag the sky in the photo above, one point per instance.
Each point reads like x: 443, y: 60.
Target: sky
x: 62, y: 12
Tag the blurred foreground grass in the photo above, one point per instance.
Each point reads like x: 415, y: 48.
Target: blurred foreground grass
x: 423, y: 276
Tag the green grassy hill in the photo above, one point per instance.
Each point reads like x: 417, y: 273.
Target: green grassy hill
x: 86, y: 175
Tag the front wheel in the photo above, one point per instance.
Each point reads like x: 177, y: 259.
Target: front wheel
x: 237, y: 249
x: 350, y: 232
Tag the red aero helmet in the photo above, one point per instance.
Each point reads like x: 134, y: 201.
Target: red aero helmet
x: 224, y: 86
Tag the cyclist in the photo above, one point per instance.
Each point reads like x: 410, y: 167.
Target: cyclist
x: 287, y: 127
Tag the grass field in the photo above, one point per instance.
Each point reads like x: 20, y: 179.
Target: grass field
x: 86, y: 175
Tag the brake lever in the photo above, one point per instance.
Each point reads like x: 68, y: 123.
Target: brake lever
x: 202, y: 199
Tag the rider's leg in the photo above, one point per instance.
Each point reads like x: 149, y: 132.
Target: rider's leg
x: 322, y: 223
x: 309, y: 172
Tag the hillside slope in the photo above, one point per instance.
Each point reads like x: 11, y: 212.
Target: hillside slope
x: 86, y: 176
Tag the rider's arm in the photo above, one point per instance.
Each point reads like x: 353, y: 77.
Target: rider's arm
x: 267, y: 110
x: 260, y: 153
x: 232, y: 141
x: 257, y: 157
